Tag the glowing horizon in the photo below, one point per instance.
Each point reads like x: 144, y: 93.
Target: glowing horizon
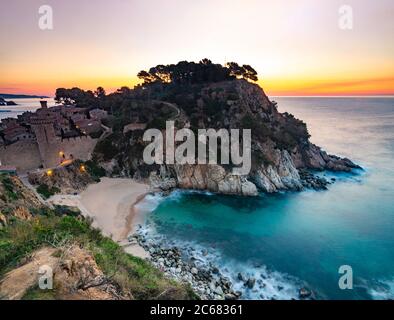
x: 296, y: 46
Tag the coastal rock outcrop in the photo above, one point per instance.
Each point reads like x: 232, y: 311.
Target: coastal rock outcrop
x: 312, y: 157
x: 280, y: 174
x: 212, y: 178
x: 280, y: 148
x: 68, y: 178
x: 7, y: 103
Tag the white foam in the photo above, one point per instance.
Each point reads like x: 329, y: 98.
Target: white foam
x: 269, y: 284
x: 150, y: 202
x: 382, y: 290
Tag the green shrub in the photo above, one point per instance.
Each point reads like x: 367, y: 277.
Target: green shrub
x: 46, y: 192
x: 66, y: 211
x: 259, y: 129
x: 36, y: 293
x: 10, y: 194
x: 72, y: 225
x: 107, y: 147
x: 95, y: 170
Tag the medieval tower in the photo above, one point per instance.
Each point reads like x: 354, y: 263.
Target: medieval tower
x: 43, y: 127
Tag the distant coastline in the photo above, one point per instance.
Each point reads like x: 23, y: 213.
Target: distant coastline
x: 20, y: 96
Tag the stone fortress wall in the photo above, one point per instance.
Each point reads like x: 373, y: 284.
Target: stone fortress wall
x: 26, y: 155
x: 48, y: 150
x: 72, y: 148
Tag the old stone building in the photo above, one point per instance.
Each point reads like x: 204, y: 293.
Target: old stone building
x: 47, y: 149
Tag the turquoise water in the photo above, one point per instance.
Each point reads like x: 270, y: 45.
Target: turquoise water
x: 303, y: 238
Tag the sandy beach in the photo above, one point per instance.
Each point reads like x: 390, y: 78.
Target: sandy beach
x: 110, y: 204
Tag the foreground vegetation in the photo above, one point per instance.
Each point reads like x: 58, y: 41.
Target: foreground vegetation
x: 64, y: 227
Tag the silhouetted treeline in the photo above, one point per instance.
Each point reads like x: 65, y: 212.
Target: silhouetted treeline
x: 173, y: 75
x: 185, y: 72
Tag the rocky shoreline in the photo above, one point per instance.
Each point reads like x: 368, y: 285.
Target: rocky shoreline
x: 311, y: 181
x: 195, y: 265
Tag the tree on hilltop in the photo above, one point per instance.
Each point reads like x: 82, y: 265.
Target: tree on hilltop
x: 100, y: 93
x: 185, y: 72
x: 75, y: 96
x: 242, y: 72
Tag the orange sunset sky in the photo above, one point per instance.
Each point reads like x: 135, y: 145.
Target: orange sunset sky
x: 296, y: 46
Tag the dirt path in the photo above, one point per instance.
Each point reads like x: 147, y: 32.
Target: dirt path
x: 16, y: 283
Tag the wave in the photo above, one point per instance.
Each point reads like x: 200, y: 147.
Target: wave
x: 152, y: 201
x: 179, y: 193
x: 268, y: 284
x: 382, y: 290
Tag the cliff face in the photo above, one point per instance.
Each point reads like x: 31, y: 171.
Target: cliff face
x: 213, y: 178
x: 281, y: 151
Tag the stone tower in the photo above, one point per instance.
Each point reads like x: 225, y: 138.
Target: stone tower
x: 43, y: 127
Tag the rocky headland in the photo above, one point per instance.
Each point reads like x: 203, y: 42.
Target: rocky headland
x: 283, y: 158
x: 6, y: 103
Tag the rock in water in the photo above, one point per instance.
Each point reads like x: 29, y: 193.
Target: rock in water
x: 304, y: 293
x: 250, y: 283
x: 230, y: 296
x: 194, y: 271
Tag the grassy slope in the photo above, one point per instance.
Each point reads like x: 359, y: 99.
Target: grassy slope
x: 135, y: 277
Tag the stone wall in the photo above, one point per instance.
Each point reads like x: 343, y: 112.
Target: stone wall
x: 24, y: 155
x: 79, y: 148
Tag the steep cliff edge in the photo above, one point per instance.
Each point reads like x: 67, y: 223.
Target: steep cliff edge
x: 282, y: 155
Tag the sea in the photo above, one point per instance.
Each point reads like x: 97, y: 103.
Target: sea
x: 23, y: 105
x: 291, y: 240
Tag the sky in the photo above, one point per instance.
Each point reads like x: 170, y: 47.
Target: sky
x: 296, y: 46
